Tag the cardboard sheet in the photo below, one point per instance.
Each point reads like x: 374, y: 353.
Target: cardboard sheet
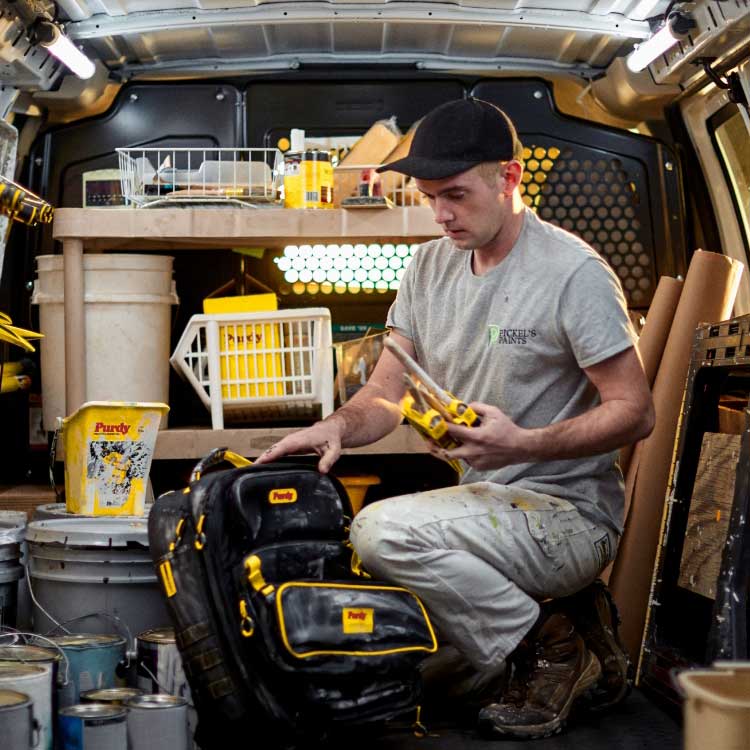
x: 708, y: 296
x: 652, y: 341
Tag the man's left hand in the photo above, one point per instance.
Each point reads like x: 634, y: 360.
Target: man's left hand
x: 497, y: 442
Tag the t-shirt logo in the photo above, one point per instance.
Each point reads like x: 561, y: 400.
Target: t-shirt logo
x: 499, y: 335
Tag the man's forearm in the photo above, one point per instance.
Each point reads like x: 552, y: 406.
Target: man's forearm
x: 606, y: 428
x: 366, y: 418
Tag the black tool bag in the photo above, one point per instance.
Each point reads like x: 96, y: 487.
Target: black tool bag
x: 277, y: 631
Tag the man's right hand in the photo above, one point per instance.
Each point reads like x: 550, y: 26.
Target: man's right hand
x: 323, y: 438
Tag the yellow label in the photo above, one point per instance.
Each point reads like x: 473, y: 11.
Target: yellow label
x: 359, y: 620
x: 167, y: 578
x: 282, y: 496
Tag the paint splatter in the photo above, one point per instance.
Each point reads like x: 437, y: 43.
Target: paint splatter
x: 113, y: 465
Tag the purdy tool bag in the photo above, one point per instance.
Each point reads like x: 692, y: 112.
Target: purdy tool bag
x: 277, y: 632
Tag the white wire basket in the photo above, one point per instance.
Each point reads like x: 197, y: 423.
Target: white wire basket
x: 261, y: 366
x: 165, y: 176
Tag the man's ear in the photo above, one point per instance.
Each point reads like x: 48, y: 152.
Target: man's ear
x: 513, y: 173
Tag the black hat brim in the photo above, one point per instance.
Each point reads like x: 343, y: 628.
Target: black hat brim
x: 427, y: 169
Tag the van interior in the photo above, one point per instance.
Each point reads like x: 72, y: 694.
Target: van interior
x: 635, y: 123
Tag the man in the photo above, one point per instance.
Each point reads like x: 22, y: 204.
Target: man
x: 529, y: 324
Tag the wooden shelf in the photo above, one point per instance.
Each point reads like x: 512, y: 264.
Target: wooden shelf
x: 185, y: 228
x: 196, y: 443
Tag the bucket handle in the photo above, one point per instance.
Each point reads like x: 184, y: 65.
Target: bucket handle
x: 35, y: 636
x: 119, y: 623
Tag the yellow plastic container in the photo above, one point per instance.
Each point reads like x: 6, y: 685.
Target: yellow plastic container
x: 247, y: 351
x: 356, y: 487
x: 108, y: 450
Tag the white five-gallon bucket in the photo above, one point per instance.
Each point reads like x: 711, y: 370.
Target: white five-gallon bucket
x: 96, y: 573
x: 127, y: 304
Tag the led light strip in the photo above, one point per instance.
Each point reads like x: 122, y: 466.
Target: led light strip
x: 344, y: 269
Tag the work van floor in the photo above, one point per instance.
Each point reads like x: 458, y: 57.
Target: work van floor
x: 637, y: 724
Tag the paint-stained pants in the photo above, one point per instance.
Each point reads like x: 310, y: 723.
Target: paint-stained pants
x: 480, y: 556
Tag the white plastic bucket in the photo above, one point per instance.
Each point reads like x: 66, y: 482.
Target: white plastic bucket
x: 717, y: 707
x: 98, y: 568
x: 127, y: 304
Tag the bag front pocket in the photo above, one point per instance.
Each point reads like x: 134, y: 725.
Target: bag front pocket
x: 351, y: 619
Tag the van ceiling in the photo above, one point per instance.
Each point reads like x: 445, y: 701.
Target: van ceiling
x: 148, y: 38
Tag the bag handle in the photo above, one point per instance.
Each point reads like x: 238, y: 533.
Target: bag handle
x: 216, y: 457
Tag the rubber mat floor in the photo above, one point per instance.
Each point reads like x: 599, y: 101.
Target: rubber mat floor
x: 637, y: 724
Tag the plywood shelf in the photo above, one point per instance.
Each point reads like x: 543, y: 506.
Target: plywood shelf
x: 251, y: 442
x: 185, y: 228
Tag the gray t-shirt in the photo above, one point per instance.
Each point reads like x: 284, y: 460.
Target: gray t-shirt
x: 518, y: 337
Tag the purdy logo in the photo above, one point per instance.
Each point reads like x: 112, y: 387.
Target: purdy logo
x: 358, y: 619
x: 101, y: 428
x: 499, y: 335
x: 282, y: 496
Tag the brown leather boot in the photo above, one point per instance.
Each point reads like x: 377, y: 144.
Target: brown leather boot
x: 595, y: 617
x: 551, y: 670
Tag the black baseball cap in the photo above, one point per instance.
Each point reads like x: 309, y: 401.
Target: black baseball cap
x: 457, y: 136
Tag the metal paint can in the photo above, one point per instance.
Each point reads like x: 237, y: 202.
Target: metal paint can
x: 158, y: 721
x: 16, y: 720
x: 93, y: 726
x: 36, y: 682
x: 316, y: 176
x: 159, y: 664
x: 111, y: 696
x: 93, y: 661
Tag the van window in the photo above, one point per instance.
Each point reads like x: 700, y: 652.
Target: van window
x: 731, y: 139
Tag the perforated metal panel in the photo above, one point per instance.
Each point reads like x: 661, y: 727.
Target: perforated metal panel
x: 597, y: 197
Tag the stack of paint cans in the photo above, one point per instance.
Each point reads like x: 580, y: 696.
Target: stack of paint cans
x: 12, y: 531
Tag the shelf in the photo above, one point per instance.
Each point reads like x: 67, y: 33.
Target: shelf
x: 196, y: 443
x: 185, y: 228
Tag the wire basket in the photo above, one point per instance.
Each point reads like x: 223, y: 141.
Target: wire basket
x: 165, y: 176
x: 271, y: 365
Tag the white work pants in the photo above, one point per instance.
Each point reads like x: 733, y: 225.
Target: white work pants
x: 480, y: 556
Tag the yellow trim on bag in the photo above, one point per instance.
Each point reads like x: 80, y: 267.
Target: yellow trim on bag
x: 384, y: 652
x: 165, y: 569
x: 255, y: 576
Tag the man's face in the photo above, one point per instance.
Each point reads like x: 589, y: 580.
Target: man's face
x: 470, y: 206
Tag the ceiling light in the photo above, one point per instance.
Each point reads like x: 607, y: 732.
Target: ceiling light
x: 672, y: 30
x: 50, y: 36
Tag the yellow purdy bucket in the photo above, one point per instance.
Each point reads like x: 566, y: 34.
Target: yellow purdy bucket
x: 108, y: 450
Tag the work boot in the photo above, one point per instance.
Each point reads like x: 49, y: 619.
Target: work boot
x: 551, y: 669
x: 595, y: 617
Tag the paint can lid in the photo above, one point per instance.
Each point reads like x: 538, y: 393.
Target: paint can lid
x: 116, y: 695
x: 12, y: 698
x: 87, y: 640
x: 94, y: 711
x: 22, y: 653
x: 89, y: 532
x: 157, y: 635
x: 156, y: 700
